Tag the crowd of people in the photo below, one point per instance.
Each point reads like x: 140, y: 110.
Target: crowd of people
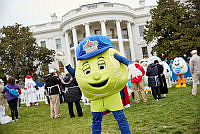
x: 58, y: 87
x: 103, y: 75
x: 55, y: 86
x: 68, y: 86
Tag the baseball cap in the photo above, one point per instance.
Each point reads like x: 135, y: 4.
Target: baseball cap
x: 193, y: 52
x: 92, y: 46
x: 51, y: 70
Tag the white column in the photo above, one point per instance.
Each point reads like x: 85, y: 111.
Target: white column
x: 135, y: 33
x: 119, y: 34
x: 149, y: 49
x: 103, y: 27
x: 50, y: 44
x: 75, y: 41
x: 130, y: 35
x: 87, y: 29
x: 67, y: 49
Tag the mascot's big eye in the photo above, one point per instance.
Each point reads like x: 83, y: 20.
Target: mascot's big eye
x: 101, y: 63
x: 86, y: 68
x: 87, y: 71
x: 102, y: 66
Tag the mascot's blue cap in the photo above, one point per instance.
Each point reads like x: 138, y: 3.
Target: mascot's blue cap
x: 92, y: 46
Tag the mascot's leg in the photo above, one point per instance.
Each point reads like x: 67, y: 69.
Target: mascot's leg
x: 122, y: 122
x: 179, y: 82
x: 184, y: 82
x: 26, y: 99
x: 28, y: 103
x: 34, y: 98
x: 96, y: 122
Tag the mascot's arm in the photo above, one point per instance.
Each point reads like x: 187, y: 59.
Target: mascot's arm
x: 70, y: 70
x: 188, y: 74
x: 122, y: 59
x: 133, y: 71
x: 61, y: 57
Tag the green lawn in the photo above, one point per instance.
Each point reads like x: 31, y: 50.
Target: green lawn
x: 178, y: 113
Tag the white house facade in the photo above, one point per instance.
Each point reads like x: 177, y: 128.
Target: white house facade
x: 121, y: 23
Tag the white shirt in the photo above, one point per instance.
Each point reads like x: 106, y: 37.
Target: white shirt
x: 30, y: 85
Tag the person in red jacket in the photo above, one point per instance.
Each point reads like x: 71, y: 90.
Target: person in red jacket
x: 138, y: 84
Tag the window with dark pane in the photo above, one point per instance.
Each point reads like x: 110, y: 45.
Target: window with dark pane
x: 141, y: 30
x: 58, y: 44
x: 97, y: 31
x: 43, y: 44
x: 125, y: 33
x: 144, y: 52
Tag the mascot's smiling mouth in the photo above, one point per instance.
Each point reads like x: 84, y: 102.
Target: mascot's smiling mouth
x: 100, y: 84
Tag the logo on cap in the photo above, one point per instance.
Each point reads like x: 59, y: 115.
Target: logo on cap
x: 90, y: 46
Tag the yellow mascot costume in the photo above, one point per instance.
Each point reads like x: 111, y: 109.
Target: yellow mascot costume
x: 101, y: 73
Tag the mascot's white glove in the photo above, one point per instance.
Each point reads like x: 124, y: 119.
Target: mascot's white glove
x: 60, y: 56
x: 133, y: 71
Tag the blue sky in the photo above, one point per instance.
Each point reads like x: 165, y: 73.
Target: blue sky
x: 31, y: 12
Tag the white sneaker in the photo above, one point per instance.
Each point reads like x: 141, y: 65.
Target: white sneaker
x: 164, y: 95
x: 13, y: 121
x: 16, y: 120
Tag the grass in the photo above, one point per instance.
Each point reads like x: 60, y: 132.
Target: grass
x: 178, y: 113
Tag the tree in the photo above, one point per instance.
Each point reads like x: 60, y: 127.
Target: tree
x: 166, y: 28
x: 191, y: 27
x: 20, y: 54
x: 1, y: 72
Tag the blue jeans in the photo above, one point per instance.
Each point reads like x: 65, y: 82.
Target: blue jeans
x: 119, y: 116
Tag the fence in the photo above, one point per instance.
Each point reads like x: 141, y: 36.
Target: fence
x: 40, y: 95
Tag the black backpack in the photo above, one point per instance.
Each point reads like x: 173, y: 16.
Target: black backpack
x: 152, y: 70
